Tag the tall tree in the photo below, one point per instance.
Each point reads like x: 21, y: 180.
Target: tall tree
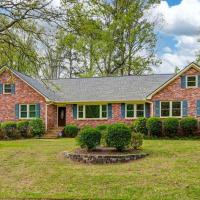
x: 117, y: 36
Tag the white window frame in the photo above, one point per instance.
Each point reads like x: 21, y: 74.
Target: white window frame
x: 170, y: 109
x: 4, y: 88
x: 28, y: 109
x: 84, y: 113
x: 135, y: 110
x: 196, y: 76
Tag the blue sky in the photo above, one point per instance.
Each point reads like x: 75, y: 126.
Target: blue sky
x: 179, y: 33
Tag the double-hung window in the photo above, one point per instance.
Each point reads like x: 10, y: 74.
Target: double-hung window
x: 171, y: 108
x: 92, y: 111
x: 27, y: 111
x: 192, y: 81
x: 135, y: 110
x: 7, y: 89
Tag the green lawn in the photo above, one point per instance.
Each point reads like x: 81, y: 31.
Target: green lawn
x: 36, y: 169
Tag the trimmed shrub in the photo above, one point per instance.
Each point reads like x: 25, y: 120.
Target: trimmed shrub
x: 89, y: 138
x: 170, y: 126
x: 154, y: 126
x: 140, y: 125
x: 37, y: 127
x: 102, y: 127
x: 119, y: 136
x: 188, y: 125
x: 9, y: 129
x: 71, y: 131
x: 136, y: 140
x: 23, y: 129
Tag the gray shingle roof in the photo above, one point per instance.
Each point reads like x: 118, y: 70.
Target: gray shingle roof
x: 124, y: 88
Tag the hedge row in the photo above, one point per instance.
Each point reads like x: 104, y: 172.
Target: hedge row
x: 21, y: 129
x: 170, y: 127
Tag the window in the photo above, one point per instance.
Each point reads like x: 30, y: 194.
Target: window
x: 171, y: 109
x: 7, y: 89
x: 165, y: 109
x: 191, y: 81
x: 27, y: 111
x: 130, y: 110
x: 134, y: 110
x: 92, y: 111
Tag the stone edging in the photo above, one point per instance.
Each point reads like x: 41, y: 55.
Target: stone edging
x: 103, y: 159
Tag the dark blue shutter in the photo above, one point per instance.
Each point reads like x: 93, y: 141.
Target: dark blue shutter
x: 1, y: 88
x: 17, y: 111
x: 38, y: 110
x: 123, y: 110
x: 147, y: 110
x: 13, y: 88
x: 157, y: 108
x: 184, y: 108
x: 198, y: 80
x: 109, y: 110
x: 74, y: 108
x: 198, y: 107
x: 183, y: 81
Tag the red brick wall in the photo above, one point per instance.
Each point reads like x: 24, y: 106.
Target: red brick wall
x: 174, y: 92
x: 51, y: 116
x: 116, y: 117
x: 24, y: 94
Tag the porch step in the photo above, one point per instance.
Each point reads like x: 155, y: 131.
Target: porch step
x: 53, y: 133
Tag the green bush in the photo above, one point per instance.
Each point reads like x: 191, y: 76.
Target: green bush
x: 102, y: 127
x: 118, y: 136
x: 23, y: 129
x: 170, y: 126
x: 154, y: 126
x: 136, y: 140
x: 71, y: 131
x: 9, y: 129
x: 140, y: 125
x: 188, y: 125
x: 89, y: 138
x: 37, y: 127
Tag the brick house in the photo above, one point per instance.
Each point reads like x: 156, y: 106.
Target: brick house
x: 105, y: 100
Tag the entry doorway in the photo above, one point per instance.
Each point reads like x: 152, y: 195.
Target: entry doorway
x: 61, y: 116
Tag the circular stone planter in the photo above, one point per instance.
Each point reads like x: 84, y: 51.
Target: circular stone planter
x: 103, y: 159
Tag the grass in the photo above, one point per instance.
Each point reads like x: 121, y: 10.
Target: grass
x: 36, y: 169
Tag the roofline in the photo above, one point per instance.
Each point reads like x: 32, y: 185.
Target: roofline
x: 99, y: 77
x: 10, y: 69
x: 98, y: 101
x: 193, y: 64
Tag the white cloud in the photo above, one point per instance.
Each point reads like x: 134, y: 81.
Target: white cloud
x: 181, y: 22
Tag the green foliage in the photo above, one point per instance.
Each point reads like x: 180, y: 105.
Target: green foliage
x: 170, y: 126
x: 136, y: 140
x: 71, y: 131
x: 102, y: 127
x: 89, y: 138
x: 9, y: 129
x: 118, y: 136
x: 154, y: 126
x: 23, y: 129
x: 139, y: 125
x: 37, y: 127
x: 188, y: 125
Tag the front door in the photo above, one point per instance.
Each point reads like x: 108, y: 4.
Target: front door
x: 61, y: 116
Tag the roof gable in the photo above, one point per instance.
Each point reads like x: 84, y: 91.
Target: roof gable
x: 191, y: 65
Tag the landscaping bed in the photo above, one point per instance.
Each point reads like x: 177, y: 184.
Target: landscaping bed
x: 104, y: 155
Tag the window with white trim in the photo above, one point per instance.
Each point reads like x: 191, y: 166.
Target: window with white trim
x: 192, y: 81
x: 92, y: 111
x: 7, y: 89
x: 171, y: 108
x: 135, y: 110
x: 27, y: 111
